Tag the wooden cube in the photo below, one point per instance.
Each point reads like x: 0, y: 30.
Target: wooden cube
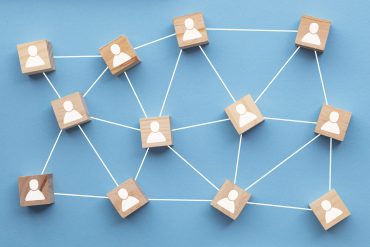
x: 313, y: 33
x: 333, y: 122
x: 231, y: 200
x: 156, y: 132
x: 127, y: 198
x: 119, y: 55
x: 190, y: 30
x: 36, y: 57
x: 70, y: 111
x: 329, y: 209
x: 36, y: 190
x: 244, y: 114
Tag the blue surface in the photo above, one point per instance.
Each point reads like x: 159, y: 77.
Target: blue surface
x: 247, y: 62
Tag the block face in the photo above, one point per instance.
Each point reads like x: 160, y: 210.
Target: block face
x: 36, y: 57
x: 70, y: 111
x: 330, y: 209
x: 36, y: 190
x: 333, y: 122
x: 156, y: 132
x: 231, y: 200
x: 119, y: 55
x: 190, y: 30
x: 244, y: 114
x: 127, y: 198
x: 313, y: 33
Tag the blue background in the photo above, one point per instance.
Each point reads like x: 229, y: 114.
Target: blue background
x: 247, y: 61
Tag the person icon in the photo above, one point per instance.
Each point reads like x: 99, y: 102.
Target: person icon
x: 331, y: 213
x: 34, y: 194
x: 155, y: 136
x: 312, y: 37
x: 191, y: 32
x: 228, y: 202
x: 71, y: 114
x: 33, y: 60
x: 332, y: 125
x: 245, y: 117
x: 119, y: 57
x: 127, y: 201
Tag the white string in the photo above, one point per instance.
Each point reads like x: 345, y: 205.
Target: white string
x: 170, y: 84
x: 282, y: 162
x: 51, y: 84
x: 137, y: 97
x: 97, y: 79
x: 51, y: 152
x: 251, y: 30
x: 141, y: 164
x: 97, y: 154
x: 237, y: 159
x: 79, y: 195
x: 192, y: 167
x: 278, y: 206
x: 83, y: 56
x: 322, y: 81
x: 201, y: 124
x: 178, y: 200
x: 154, y: 41
x: 114, y: 123
x: 330, y: 159
x: 290, y: 120
x: 277, y: 74
x: 218, y: 75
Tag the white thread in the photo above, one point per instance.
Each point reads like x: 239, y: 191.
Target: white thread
x: 113, y: 123
x: 179, y: 200
x: 137, y: 97
x: 83, y: 56
x: 330, y: 159
x: 237, y: 159
x: 322, y: 81
x: 290, y: 120
x: 251, y: 30
x: 278, y: 206
x: 154, y: 41
x: 141, y: 164
x: 51, y: 152
x: 97, y: 79
x: 201, y: 124
x: 277, y: 74
x: 51, y: 84
x: 79, y: 195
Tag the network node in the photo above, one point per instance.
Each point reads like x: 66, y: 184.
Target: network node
x: 36, y: 190
x: 231, y: 200
x: 190, y: 30
x: 127, y: 198
x: 70, y: 111
x: 156, y: 132
x: 119, y: 55
x: 36, y: 57
x: 329, y: 209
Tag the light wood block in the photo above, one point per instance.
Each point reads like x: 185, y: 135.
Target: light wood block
x: 127, y: 198
x: 333, y: 122
x: 36, y: 57
x: 156, y: 132
x: 70, y: 111
x: 244, y: 114
x: 190, y: 30
x: 313, y: 33
x: 330, y: 209
x: 36, y: 190
x: 231, y: 200
x: 119, y: 55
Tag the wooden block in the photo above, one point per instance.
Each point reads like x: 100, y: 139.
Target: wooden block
x: 313, y: 33
x: 190, y: 30
x: 333, y: 122
x: 231, y: 200
x: 70, y: 111
x: 36, y: 190
x: 127, y: 198
x: 36, y: 57
x: 119, y: 55
x: 156, y: 132
x: 244, y: 114
x: 329, y: 209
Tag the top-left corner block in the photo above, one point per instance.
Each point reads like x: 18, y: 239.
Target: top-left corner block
x: 36, y: 57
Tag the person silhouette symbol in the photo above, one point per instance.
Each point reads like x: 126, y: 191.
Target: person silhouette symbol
x: 155, y: 136
x: 228, y: 202
x: 71, y: 114
x: 34, y: 194
x: 191, y: 32
x: 245, y: 117
x: 312, y: 37
x: 33, y: 60
x: 119, y: 57
x: 332, y: 125
x: 127, y: 201
x: 331, y: 213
